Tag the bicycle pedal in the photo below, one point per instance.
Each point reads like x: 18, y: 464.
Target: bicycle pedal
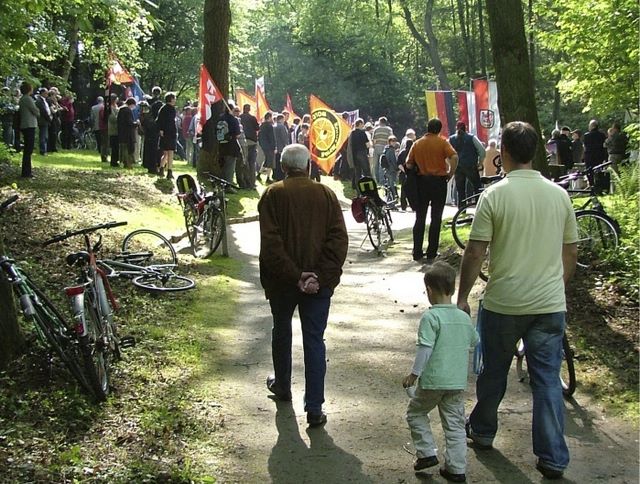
x: 127, y: 342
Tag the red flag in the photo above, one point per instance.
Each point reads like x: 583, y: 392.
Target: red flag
x: 118, y: 74
x: 481, y: 90
x: 289, y: 108
x: 262, y: 106
x: 209, y: 94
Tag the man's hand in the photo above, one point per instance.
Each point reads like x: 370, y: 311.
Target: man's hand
x: 409, y: 380
x: 308, y: 283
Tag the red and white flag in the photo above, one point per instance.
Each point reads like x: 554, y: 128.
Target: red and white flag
x: 209, y: 94
x: 118, y: 74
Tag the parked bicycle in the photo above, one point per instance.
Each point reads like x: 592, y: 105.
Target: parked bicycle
x: 204, y: 212
x: 377, y: 213
x: 82, y: 136
x: 567, y: 370
x: 70, y: 342
x: 93, y: 304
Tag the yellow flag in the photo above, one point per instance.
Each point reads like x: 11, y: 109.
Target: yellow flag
x: 243, y: 97
x: 327, y: 134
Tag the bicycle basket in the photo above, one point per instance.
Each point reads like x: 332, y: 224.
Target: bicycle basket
x: 357, y: 209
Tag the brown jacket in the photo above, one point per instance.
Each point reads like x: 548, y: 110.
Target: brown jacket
x: 301, y: 229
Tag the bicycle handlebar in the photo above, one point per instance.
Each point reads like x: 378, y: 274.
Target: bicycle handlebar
x: 220, y: 181
x: 8, y: 202
x: 88, y: 230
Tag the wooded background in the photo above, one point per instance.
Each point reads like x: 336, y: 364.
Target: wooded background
x: 378, y: 56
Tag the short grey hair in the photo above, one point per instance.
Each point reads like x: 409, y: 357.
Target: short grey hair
x: 295, y: 157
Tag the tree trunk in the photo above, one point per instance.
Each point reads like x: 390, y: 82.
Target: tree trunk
x: 72, y: 51
x: 217, y: 21
x: 464, y: 31
x: 513, y: 75
x: 11, y: 341
x: 430, y: 44
x: 532, y: 46
x: 483, y: 52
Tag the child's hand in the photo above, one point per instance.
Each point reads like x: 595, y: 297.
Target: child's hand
x: 409, y: 380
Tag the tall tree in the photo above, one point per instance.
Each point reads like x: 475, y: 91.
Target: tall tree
x: 513, y: 75
x: 217, y: 22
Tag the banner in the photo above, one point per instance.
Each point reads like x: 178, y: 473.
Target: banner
x: 118, y: 74
x: 467, y: 110
x: 135, y: 91
x: 494, y: 131
x: 208, y: 95
x: 243, y: 97
x: 484, y: 116
x: 440, y: 105
x: 327, y: 134
x: 289, y: 108
x: 353, y: 116
x: 262, y: 106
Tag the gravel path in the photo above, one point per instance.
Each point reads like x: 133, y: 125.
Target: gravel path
x: 370, y: 346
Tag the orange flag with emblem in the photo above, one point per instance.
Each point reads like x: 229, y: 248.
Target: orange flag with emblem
x: 327, y: 134
x: 243, y: 97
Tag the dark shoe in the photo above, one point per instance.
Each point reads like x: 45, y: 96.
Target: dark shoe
x: 169, y: 175
x: 161, y: 172
x: 425, y: 462
x: 476, y: 445
x: 548, y: 473
x: 316, y: 419
x: 418, y: 257
x: 278, y: 394
x: 452, y: 477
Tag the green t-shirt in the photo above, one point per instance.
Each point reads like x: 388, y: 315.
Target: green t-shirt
x: 526, y: 219
x: 449, y: 331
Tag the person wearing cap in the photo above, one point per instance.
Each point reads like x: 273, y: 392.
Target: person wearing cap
x: 44, y: 119
x: 471, y: 154
x: 435, y: 161
x: 577, y: 148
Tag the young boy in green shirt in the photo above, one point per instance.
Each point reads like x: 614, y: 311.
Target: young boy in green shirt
x: 445, y: 337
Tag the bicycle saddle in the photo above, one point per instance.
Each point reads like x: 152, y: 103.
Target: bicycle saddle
x: 82, y: 256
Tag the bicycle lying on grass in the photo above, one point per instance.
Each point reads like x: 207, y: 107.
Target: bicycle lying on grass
x: 205, y: 216
x: 85, y: 346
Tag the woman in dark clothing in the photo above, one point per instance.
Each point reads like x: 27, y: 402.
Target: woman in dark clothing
x: 166, y: 122
x: 150, y: 136
x: 127, y: 132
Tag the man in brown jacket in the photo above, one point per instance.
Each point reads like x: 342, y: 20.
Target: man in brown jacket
x: 303, y: 245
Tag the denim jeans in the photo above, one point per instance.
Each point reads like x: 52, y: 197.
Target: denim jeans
x: 314, y: 312
x: 43, y: 137
x: 542, y: 335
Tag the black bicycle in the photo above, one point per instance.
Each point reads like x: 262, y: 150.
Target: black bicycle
x: 205, y: 216
x: 377, y: 213
x: 69, y: 341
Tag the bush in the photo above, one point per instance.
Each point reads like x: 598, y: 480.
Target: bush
x: 625, y: 210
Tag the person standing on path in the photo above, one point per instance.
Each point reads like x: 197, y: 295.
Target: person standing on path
x: 471, y: 155
x: 445, y: 338
x: 168, y: 133
x: 28, y: 123
x: 303, y: 245
x: 525, y: 295
x: 436, y: 161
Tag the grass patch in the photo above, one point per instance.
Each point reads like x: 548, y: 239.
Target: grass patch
x: 157, y: 424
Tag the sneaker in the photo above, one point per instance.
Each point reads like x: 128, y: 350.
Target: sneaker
x: 476, y: 445
x: 169, y: 175
x: 316, y: 419
x: 278, y: 394
x: 425, y: 462
x: 452, y: 477
x: 547, y: 472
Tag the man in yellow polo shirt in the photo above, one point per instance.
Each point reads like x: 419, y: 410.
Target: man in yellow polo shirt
x: 436, y: 162
x: 530, y: 227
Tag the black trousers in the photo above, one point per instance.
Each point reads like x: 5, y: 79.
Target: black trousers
x: 432, y: 192
x: 115, y: 150
x: 465, y: 176
x: 29, y: 135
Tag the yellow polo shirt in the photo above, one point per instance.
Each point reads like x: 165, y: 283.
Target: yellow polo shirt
x: 526, y: 219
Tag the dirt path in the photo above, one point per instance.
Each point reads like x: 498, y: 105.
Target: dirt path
x: 370, y: 346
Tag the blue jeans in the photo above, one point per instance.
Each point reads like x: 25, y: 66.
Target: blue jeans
x: 43, y: 138
x: 314, y: 312
x: 542, y: 335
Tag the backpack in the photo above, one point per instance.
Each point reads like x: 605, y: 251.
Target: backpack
x: 357, y: 209
x: 222, y: 131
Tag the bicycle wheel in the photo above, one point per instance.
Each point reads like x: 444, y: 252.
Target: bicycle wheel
x: 597, y: 237
x: 90, y: 142
x: 214, y: 228
x: 111, y: 329
x: 567, y: 370
x: 167, y: 282
x: 374, y: 224
x: 194, y: 229
x: 95, y: 350
x: 53, y: 329
x: 145, y: 247
x: 461, y: 224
